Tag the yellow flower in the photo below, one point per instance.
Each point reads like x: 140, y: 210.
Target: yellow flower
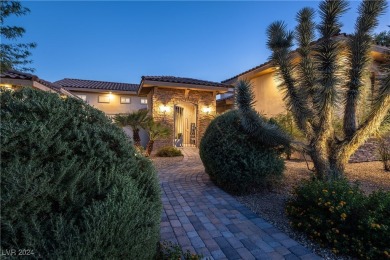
x: 374, y: 225
x: 324, y: 191
x: 343, y: 216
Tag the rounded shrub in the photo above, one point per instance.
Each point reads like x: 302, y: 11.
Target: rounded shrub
x: 169, y: 151
x: 340, y: 216
x: 236, y: 162
x: 72, y: 185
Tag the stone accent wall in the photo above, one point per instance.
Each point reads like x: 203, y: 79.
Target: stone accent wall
x: 169, y: 98
x: 368, y: 152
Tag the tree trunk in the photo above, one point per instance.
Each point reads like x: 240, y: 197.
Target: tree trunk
x: 350, y: 116
x: 320, y: 164
x: 149, y: 147
x: 328, y: 162
x: 136, y: 138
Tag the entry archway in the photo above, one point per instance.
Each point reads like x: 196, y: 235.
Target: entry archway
x: 185, y: 125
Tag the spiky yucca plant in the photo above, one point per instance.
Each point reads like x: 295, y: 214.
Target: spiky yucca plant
x: 316, y: 86
x: 135, y: 120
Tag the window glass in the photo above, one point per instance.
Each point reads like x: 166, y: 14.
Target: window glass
x: 104, y: 99
x: 144, y: 101
x: 83, y: 97
x: 125, y: 100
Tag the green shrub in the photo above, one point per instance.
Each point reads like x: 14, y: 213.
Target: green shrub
x: 72, y: 185
x: 340, y: 216
x: 236, y: 162
x: 170, y: 251
x: 169, y: 151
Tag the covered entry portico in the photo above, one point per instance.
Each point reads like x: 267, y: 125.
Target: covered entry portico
x: 185, y: 105
x: 185, y: 118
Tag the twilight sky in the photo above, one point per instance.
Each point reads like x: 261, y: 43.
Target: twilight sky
x: 123, y: 40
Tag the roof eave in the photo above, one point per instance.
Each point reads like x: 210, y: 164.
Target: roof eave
x: 153, y: 83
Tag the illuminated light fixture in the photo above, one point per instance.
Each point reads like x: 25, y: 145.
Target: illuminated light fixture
x: 207, y: 110
x: 110, y: 95
x: 164, y: 109
x: 7, y: 86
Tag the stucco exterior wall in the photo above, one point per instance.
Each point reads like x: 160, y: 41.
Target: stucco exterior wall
x: 114, y: 106
x: 269, y: 101
x: 171, y: 97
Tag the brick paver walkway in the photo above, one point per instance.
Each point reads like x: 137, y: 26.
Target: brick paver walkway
x: 204, y: 219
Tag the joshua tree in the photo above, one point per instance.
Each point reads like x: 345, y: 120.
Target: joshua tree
x: 135, y: 120
x: 315, y: 84
x: 156, y: 131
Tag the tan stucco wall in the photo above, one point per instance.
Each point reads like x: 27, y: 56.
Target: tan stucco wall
x: 269, y: 101
x: 170, y: 98
x: 115, y: 106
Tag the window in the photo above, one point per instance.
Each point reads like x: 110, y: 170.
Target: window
x: 83, y: 97
x: 125, y: 100
x: 144, y: 101
x: 104, y: 99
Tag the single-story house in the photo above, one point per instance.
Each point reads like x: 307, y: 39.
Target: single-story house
x: 185, y: 105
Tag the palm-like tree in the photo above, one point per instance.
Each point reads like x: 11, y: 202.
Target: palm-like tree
x: 135, y: 120
x: 156, y: 131
x: 315, y: 86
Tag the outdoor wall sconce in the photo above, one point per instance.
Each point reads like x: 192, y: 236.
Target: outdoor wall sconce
x: 164, y: 109
x: 110, y: 95
x: 207, y: 110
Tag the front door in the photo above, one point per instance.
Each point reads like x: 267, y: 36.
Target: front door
x: 185, y: 125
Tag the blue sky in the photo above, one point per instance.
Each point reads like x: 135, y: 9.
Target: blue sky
x: 121, y: 41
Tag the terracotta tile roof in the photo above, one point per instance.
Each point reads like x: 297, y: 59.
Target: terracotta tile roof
x: 173, y: 79
x: 94, y: 84
x: 252, y: 69
x: 14, y: 74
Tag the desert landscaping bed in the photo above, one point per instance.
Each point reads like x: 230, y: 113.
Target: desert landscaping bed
x: 269, y: 204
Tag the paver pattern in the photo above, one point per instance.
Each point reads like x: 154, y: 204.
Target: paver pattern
x: 204, y: 219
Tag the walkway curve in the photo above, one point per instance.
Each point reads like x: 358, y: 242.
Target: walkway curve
x: 204, y: 219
